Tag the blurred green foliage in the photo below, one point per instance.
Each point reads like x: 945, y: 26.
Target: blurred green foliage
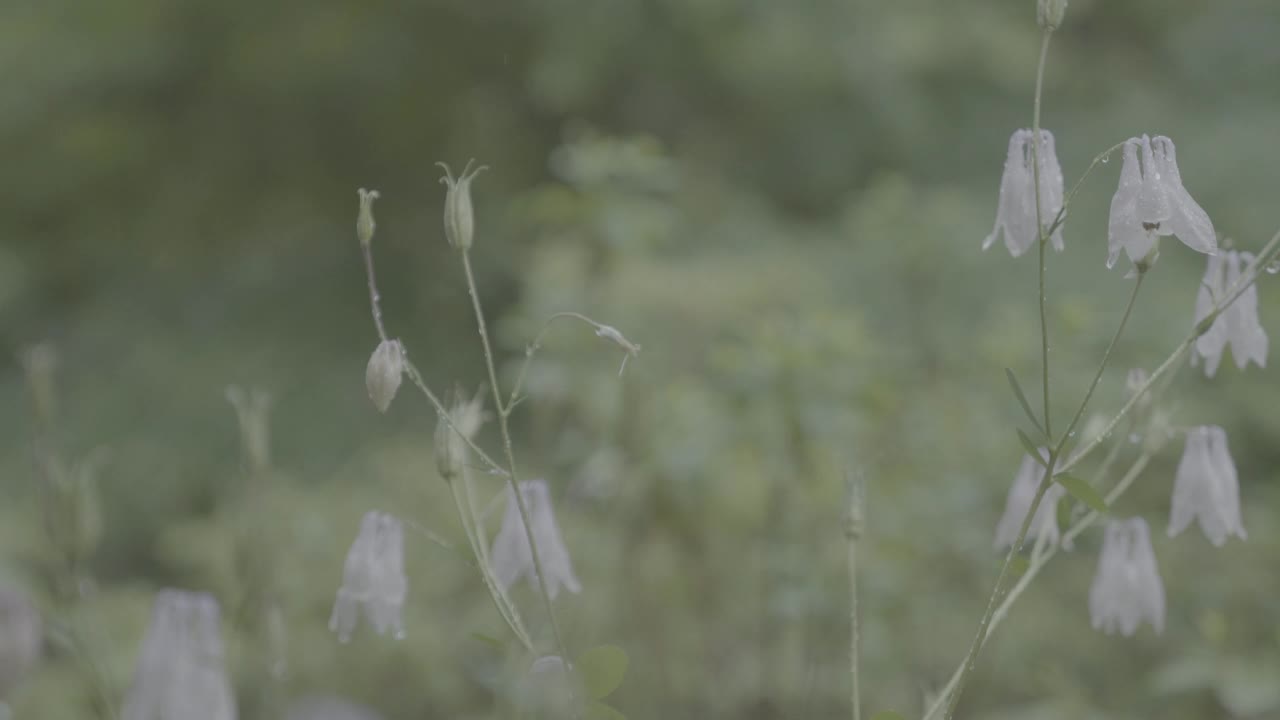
x: 782, y: 202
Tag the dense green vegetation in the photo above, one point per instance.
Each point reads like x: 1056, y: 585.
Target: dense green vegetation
x: 782, y: 202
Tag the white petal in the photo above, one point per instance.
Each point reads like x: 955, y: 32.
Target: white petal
x: 1051, y: 186
x: 1123, y: 227
x: 1211, y: 344
x: 1187, y: 220
x: 1248, y: 340
x: 1015, y: 212
x: 1154, y: 206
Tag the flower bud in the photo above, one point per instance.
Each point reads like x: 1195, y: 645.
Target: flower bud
x: 459, y: 218
x: 364, y: 221
x: 382, y: 376
x: 1049, y: 13
x: 449, y: 451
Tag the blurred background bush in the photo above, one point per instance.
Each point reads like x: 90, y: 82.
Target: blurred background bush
x: 782, y: 202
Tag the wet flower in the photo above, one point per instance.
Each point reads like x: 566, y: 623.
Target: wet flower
x: 512, y: 557
x: 1018, y: 503
x: 1206, y: 487
x: 1127, y: 588
x: 180, y: 671
x: 1016, y: 210
x: 383, y: 374
x: 1238, y: 324
x: 1151, y: 201
x: 373, y: 579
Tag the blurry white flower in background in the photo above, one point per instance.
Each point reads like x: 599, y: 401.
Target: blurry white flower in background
x: 373, y: 579
x: 180, y: 672
x: 512, y: 557
x: 1206, y: 487
x: 1018, y: 502
x: 1238, y: 324
x: 1127, y: 588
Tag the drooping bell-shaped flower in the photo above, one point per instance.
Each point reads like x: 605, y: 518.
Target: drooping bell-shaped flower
x: 180, y: 671
x: 1206, y: 487
x: 1238, y: 324
x: 373, y: 579
x: 512, y: 557
x: 1018, y: 503
x: 1016, y: 208
x: 1127, y: 588
x: 1151, y: 201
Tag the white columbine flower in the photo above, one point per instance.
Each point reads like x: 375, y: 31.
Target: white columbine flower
x: 1151, y: 202
x: 373, y: 578
x: 1206, y: 487
x: 1127, y: 588
x: 1016, y: 210
x: 1238, y: 324
x: 512, y: 557
x: 180, y: 670
x: 1018, y: 502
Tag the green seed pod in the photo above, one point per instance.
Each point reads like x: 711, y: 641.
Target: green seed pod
x: 459, y: 217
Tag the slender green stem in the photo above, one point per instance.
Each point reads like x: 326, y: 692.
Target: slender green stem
x: 1102, y: 366
x: 533, y: 348
x: 500, y: 599
x: 1043, y: 236
x: 984, y: 627
x: 1248, y: 277
x: 1101, y: 157
x: 1037, y: 564
x: 511, y: 460
x: 854, y: 639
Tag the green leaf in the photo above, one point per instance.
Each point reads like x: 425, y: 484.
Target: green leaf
x: 600, y: 711
x: 1031, y: 448
x: 1019, y: 565
x: 488, y: 640
x: 887, y: 715
x: 1082, y: 491
x: 1063, y: 513
x: 1022, y: 399
x: 602, y: 668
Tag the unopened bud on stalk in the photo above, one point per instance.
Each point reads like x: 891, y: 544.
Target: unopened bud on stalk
x: 364, y: 222
x: 448, y: 450
x: 382, y: 376
x: 459, y: 218
x: 1049, y: 13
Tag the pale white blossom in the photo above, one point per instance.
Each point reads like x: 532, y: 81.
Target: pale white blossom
x: 512, y: 557
x: 180, y: 672
x: 373, y: 579
x: 1127, y: 589
x: 1016, y: 208
x: 1238, y: 324
x: 1206, y: 487
x: 1151, y: 202
x: 1018, y: 503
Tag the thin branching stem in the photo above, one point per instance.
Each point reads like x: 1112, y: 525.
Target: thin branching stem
x: 1247, y: 278
x: 1043, y: 236
x: 500, y: 599
x: 1037, y: 564
x: 511, y: 459
x: 984, y: 627
x: 533, y: 348
x: 855, y: 699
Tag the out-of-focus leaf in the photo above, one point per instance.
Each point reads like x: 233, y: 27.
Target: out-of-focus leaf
x: 1082, y: 491
x: 602, y: 669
